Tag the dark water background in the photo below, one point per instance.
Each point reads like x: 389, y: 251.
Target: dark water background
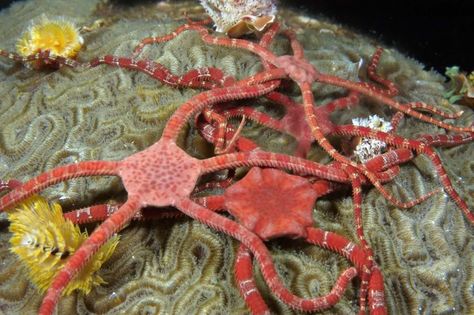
x: 438, y: 33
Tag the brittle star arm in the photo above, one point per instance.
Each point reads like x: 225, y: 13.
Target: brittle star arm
x: 332, y: 241
x: 270, y: 159
x: 318, y: 134
x: 90, y: 246
x: 260, y: 252
x: 200, y: 101
x: 59, y: 174
x: 420, y: 147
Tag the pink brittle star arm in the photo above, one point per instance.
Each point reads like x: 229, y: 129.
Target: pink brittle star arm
x: 59, y: 174
x: 276, y: 160
x: 319, y: 135
x: 257, y: 247
x: 200, y: 101
x: 77, y: 261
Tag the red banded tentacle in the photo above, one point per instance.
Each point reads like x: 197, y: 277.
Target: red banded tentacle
x: 90, y: 246
x: 43, y: 56
x: 341, y: 103
x: 435, y: 140
x: 373, y: 93
x: 434, y: 110
x: 208, y: 39
x: 391, y: 89
x: 262, y: 77
x: 252, y: 114
x: 200, y: 101
x: 99, y: 213
x: 298, y: 50
x: 214, y: 76
x: 396, y: 120
x: 269, y: 35
x: 165, y: 38
x: 208, y: 131
x: 376, y: 293
x: 203, y: 22
x: 16, y: 57
x: 234, y: 138
x: 339, y: 244
x: 446, y: 140
x: 318, y: 134
x: 387, y: 175
x: 389, y: 159
x: 96, y: 213
x: 221, y: 130
x: 362, y: 259
x: 198, y: 76
x: 261, y: 254
x: 266, y: 40
x: 282, y: 99
x: 270, y: 159
x: 419, y: 147
x: 220, y: 136
x: 9, y: 184
x: 243, y: 271
x: 357, y: 204
x: 59, y: 174
x: 193, y: 78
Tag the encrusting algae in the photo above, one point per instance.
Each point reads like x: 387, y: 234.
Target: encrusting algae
x: 43, y: 240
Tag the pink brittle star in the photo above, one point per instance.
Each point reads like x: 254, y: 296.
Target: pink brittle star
x: 262, y: 202
x: 165, y: 175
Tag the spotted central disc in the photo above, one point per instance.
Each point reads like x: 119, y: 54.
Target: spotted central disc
x: 160, y: 175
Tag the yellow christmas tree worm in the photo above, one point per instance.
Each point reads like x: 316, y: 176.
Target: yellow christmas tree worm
x: 58, y: 36
x: 43, y: 241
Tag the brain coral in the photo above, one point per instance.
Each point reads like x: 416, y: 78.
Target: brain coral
x: 180, y: 266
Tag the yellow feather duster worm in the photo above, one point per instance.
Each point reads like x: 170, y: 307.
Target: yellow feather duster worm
x: 60, y: 36
x: 43, y: 240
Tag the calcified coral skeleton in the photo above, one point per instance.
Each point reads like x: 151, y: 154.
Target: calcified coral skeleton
x: 239, y: 17
x: 165, y: 175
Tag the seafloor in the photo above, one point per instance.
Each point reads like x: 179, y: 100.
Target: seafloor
x: 179, y: 266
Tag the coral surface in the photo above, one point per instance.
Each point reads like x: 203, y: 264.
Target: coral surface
x: 179, y: 266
